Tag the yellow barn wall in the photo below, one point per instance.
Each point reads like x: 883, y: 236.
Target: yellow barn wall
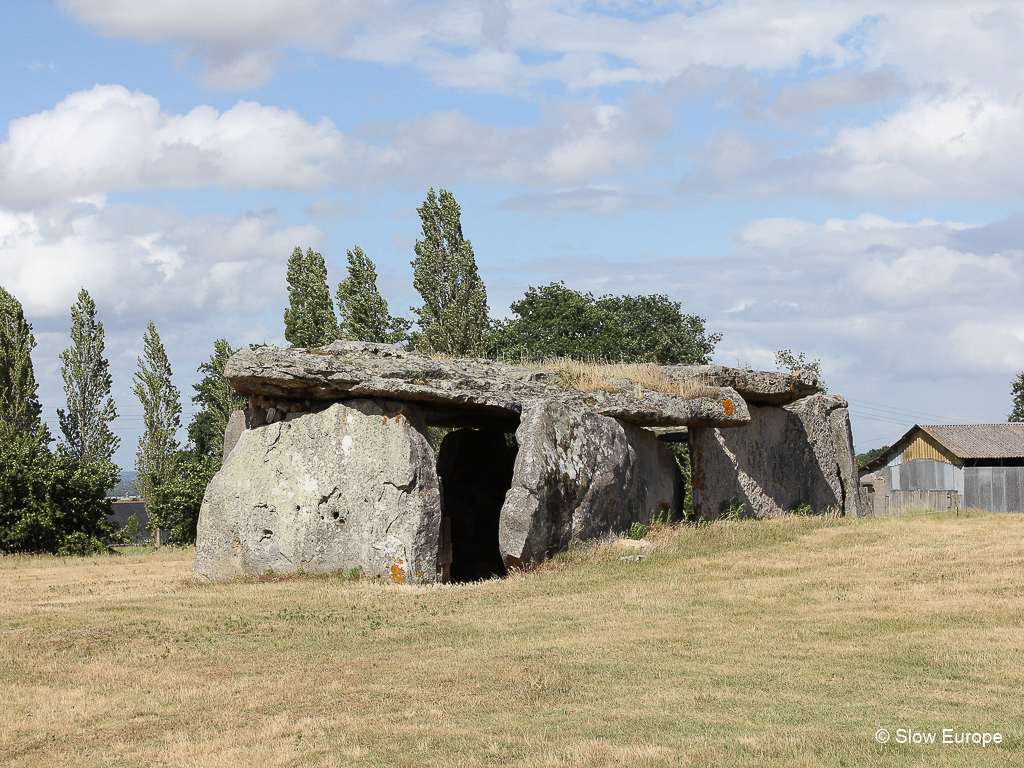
x: 922, y: 446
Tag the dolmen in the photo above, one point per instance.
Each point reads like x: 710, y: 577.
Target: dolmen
x: 362, y: 457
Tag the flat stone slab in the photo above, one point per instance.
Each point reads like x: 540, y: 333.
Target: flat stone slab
x: 758, y: 387
x: 352, y: 369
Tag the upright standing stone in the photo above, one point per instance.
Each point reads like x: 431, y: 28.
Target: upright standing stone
x: 233, y: 431
x: 801, y: 452
x: 579, y: 475
x: 351, y: 486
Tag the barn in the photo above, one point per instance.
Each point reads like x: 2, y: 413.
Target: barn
x: 952, y: 466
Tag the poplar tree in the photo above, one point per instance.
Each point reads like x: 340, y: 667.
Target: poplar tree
x: 217, y: 399
x: 161, y: 412
x: 176, y: 501
x: 19, y: 405
x: 309, y: 320
x: 453, y: 318
x: 87, y: 383
x: 362, y: 310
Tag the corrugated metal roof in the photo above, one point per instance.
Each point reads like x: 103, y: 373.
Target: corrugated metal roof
x: 980, y: 441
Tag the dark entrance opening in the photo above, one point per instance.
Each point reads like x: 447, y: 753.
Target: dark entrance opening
x: 475, y: 467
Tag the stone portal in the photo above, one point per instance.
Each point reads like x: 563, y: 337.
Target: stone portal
x: 475, y: 469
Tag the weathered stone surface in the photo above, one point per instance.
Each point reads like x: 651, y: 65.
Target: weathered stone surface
x: 760, y: 387
x: 235, y: 427
x: 800, y: 452
x: 579, y: 475
x: 330, y: 466
x: 484, y: 388
x: 352, y: 486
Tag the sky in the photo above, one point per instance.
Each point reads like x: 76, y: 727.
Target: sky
x: 842, y: 179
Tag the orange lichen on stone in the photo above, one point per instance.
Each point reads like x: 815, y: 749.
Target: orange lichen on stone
x: 728, y: 406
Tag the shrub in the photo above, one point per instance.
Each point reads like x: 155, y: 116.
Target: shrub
x: 82, y: 545
x: 132, y: 532
x: 45, y: 498
x: 732, y: 509
x: 638, y: 531
x: 801, y: 507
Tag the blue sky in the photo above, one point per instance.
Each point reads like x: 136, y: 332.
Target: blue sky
x: 842, y: 179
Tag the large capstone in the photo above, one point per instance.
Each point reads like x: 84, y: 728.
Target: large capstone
x: 579, y: 475
x: 353, y: 486
x: 796, y: 456
x: 484, y: 390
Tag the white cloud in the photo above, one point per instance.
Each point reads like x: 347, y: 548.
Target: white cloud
x: 583, y: 44
x: 938, y: 146
x: 870, y: 296
x: 109, y: 138
x: 497, y: 45
x: 143, y: 261
x: 963, y: 145
x: 840, y: 90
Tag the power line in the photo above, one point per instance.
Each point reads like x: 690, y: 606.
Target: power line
x: 893, y: 410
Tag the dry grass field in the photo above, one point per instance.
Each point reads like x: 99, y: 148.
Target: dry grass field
x: 779, y: 643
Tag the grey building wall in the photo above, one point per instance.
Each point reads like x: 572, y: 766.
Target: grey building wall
x: 998, y: 489
x: 122, y: 510
x: 924, y: 475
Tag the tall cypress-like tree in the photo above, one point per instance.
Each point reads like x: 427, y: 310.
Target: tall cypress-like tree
x: 217, y: 399
x: 177, y: 501
x: 19, y: 405
x: 87, y: 383
x: 363, y: 311
x: 453, y: 318
x: 161, y: 412
x: 309, y: 320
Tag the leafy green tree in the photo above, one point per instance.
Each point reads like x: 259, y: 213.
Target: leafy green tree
x: 863, y: 459
x: 1017, y: 388
x: 551, y: 321
x: 653, y: 329
x: 309, y: 320
x: 556, y: 321
x: 49, y: 503
x: 176, y: 500
x: 132, y: 532
x: 87, y: 383
x: 19, y: 404
x: 785, y: 360
x: 453, y: 318
x: 161, y: 412
x: 363, y: 311
x: 216, y: 399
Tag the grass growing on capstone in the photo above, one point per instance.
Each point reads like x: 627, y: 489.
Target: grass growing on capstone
x: 785, y: 642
